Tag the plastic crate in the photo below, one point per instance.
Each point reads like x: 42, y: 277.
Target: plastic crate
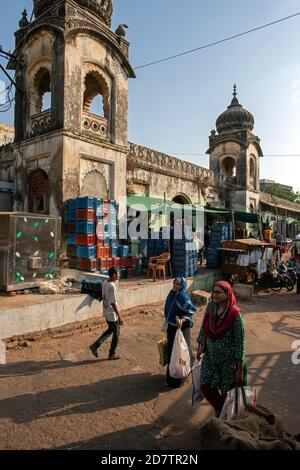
x: 73, y: 263
x: 71, y: 227
x: 116, y: 261
x: 123, y: 262
x: 86, y: 252
x: 114, y: 251
x: 102, y: 263
x: 107, y: 251
x: 130, y: 273
x: 100, y: 251
x: 71, y: 239
x: 71, y: 216
x: 106, y: 241
x: 86, y: 202
x: 72, y: 251
x: 85, y: 240
x: 71, y: 204
x: 87, y: 264
x: 110, y: 263
x: 85, y: 228
x: 86, y: 215
x: 122, y: 251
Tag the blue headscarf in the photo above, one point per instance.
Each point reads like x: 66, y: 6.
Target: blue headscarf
x: 178, y: 304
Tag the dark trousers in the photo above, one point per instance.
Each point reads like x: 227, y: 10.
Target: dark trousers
x: 171, y: 332
x: 214, y: 397
x: 113, y: 329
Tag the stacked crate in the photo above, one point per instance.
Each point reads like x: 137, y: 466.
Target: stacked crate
x: 92, y: 237
x: 220, y: 232
x: 185, y: 256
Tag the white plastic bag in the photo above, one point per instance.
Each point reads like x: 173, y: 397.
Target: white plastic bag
x: 235, y: 402
x: 180, y: 366
x: 197, y: 395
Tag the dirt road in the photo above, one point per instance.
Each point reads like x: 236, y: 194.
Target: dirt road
x: 54, y: 394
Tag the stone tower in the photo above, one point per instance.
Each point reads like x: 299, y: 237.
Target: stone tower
x: 234, y: 155
x: 71, y: 108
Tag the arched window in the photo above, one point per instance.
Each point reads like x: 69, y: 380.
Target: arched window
x: 252, y: 173
x: 252, y: 168
x: 181, y: 199
x: 39, y: 192
x: 96, y: 95
x: 228, y: 167
x: 42, y: 91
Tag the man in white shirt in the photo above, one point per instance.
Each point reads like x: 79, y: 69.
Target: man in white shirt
x: 111, y: 313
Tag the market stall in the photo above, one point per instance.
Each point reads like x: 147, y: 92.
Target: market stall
x: 244, y: 256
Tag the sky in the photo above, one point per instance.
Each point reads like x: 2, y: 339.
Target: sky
x: 174, y: 105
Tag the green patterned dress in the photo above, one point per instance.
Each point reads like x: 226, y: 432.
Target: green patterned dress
x: 219, y: 362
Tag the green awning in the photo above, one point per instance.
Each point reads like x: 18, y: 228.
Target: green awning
x: 248, y: 217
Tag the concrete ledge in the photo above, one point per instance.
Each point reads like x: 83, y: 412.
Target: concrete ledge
x: 243, y: 292
x: 200, y: 298
x: 73, y: 308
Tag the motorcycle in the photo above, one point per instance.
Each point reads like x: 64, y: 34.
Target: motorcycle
x: 274, y: 280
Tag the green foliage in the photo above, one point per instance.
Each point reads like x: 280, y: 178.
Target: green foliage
x: 276, y: 190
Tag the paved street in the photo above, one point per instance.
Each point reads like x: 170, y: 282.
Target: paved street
x: 54, y: 394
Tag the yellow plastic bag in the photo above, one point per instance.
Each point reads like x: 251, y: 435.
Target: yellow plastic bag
x: 162, y: 349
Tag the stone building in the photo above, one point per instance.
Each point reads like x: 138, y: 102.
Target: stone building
x: 71, y: 124
x: 64, y: 60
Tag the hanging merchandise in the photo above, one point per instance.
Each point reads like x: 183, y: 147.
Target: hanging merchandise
x: 243, y: 260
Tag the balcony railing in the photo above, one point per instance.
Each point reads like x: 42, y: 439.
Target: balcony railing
x: 41, y: 122
x: 95, y: 125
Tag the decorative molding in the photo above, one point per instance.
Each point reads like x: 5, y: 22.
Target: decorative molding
x: 271, y: 200
x: 151, y: 160
x: 95, y: 125
x: 41, y: 123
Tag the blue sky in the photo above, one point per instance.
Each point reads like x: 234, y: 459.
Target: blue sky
x: 174, y: 105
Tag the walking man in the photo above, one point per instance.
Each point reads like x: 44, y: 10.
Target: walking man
x: 111, y: 313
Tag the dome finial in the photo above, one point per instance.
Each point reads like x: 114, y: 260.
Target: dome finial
x: 234, y: 91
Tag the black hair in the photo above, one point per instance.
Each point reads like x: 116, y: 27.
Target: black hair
x: 113, y: 270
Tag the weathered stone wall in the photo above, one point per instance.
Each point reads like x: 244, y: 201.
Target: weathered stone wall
x: 81, y: 157
x: 152, y: 173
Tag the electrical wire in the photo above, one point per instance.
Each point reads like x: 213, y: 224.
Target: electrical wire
x: 215, y: 43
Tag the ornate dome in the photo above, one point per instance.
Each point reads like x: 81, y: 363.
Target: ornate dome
x: 101, y: 8
x: 235, y: 117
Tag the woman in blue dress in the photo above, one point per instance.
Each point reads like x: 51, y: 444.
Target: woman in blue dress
x: 179, y: 313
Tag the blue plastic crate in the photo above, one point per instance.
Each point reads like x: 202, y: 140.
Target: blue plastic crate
x: 71, y: 216
x: 71, y: 239
x: 88, y: 252
x: 86, y: 227
x: 98, y: 203
x: 123, y: 251
x: 114, y: 251
x: 106, y: 241
x: 71, y: 205
x: 86, y: 202
x: 113, y: 243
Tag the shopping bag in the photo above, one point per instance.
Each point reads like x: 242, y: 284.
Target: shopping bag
x: 179, y: 367
x: 162, y: 349
x: 197, y: 395
x: 237, y: 399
